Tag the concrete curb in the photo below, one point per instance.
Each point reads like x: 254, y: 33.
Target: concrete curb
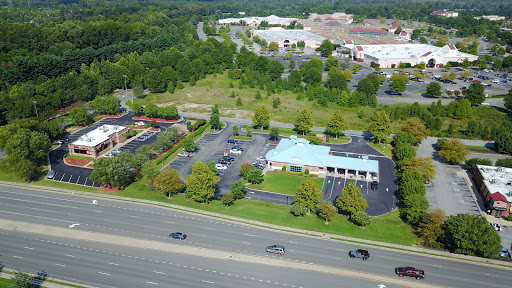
x: 382, y: 245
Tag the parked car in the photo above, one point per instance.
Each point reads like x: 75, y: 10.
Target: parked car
x: 495, y: 80
x: 410, y: 271
x: 178, y: 235
x: 221, y: 167
x: 51, y: 174
x: 116, y: 151
x: 229, y: 158
x: 223, y: 161
x: 276, y: 249
x: 232, y: 141
x: 258, y: 165
x: 261, y: 158
x: 359, y: 253
x: 108, y: 155
x: 57, y: 142
x: 235, y: 151
x: 183, y: 154
x: 504, y: 252
x: 496, y: 226
x: 237, y: 148
x: 375, y: 185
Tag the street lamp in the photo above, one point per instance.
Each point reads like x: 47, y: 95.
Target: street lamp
x: 125, y: 87
x: 35, y: 107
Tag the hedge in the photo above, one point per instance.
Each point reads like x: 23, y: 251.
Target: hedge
x: 196, y: 125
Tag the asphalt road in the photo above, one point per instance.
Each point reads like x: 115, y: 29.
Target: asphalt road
x: 155, y: 223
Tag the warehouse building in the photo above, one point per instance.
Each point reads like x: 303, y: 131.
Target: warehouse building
x: 285, y: 38
x: 101, y: 139
x: 256, y: 21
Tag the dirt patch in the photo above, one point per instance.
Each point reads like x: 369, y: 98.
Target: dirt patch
x: 202, y: 108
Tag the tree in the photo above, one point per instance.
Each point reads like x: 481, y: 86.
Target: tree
x: 79, y: 116
x: 398, y: 85
x: 169, y: 181
x: 113, y: 171
x: 463, y: 109
x: 239, y: 102
x: 336, y: 79
x: 227, y: 199
x: 211, y: 166
x: 215, y: 121
x: 189, y: 145
x: 380, y: 126
x: 413, y: 208
x: 326, y: 48
x: 274, y: 133
x: 275, y: 69
x: 471, y: 235
x: 431, y: 225
x: 465, y: 64
x: 423, y: 165
x: 23, y: 280
x: 331, y: 62
x: 481, y: 161
x: 308, y: 193
x: 201, y: 184
x: 303, y: 121
x: 466, y: 73
x: 138, y: 91
x: 105, y: 105
x: 415, y: 127
x: 404, y: 138
x: 137, y: 109
x: 255, y: 176
x: 298, y: 209
x: 475, y: 93
x: 361, y: 218
x: 327, y: 211
x: 502, y: 163
x: 145, y: 151
x: 454, y: 151
x: 261, y: 117
x: 433, y: 89
x: 288, y: 55
x: 423, y: 40
x: 273, y: 46
x: 351, y: 199
x: 150, y: 172
x: 245, y: 168
x: 238, y: 190
x: 508, y: 100
x: 151, y: 110
x: 337, y: 124
x: 301, y: 44
x: 403, y: 153
x: 235, y: 130
x: 276, y: 102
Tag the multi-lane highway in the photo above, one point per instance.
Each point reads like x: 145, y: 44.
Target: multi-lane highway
x: 136, y: 264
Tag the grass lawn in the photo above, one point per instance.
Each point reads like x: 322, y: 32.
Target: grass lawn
x: 384, y: 147
x: 340, y: 140
x: 483, y: 148
x: 283, y: 183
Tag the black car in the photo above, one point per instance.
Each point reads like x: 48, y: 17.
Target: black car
x: 228, y: 158
x: 359, y: 253
x: 178, y: 235
x: 375, y: 185
x: 224, y: 161
x: 447, y: 81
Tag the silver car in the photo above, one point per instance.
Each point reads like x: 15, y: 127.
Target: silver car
x: 276, y: 249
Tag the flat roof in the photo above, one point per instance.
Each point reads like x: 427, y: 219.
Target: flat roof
x: 497, y: 179
x: 401, y: 51
x: 276, y: 35
x: 98, y: 135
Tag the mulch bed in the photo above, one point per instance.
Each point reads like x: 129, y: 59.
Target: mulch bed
x: 77, y: 162
x: 112, y: 116
x: 154, y: 119
x: 109, y: 188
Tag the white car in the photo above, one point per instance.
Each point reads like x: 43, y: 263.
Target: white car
x: 108, y: 155
x: 261, y: 158
x: 235, y: 151
x: 116, y: 151
x: 495, y: 80
x: 221, y: 167
x: 183, y: 154
x: 496, y: 226
x: 58, y: 142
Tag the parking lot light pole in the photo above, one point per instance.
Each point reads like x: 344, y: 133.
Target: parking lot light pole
x: 35, y: 107
x: 125, y: 87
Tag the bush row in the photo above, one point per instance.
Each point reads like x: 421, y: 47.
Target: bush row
x: 176, y: 147
x: 196, y: 125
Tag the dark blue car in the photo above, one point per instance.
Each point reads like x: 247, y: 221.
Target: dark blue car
x: 178, y: 235
x: 232, y: 141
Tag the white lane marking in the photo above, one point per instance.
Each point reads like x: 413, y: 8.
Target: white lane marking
x: 19, y: 257
x: 210, y: 282
x: 209, y: 228
x: 103, y: 273
x: 73, y: 225
x: 170, y: 222
x: 436, y: 265
x: 37, y: 216
x: 134, y: 216
x: 29, y: 248
x: 246, y: 243
x: 67, y: 255
x: 158, y: 272
x: 339, y: 249
x: 152, y: 283
x: 114, y: 264
x: 250, y: 235
x: 98, y: 211
x: 62, y: 265
x: 21, y: 200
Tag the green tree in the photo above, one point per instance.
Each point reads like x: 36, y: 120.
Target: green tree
x: 423, y: 40
x: 415, y: 127
x: 276, y: 103
x: 138, y: 91
x: 235, y: 130
x: 327, y: 211
x: 238, y: 190
x: 215, y: 121
x: 481, y: 161
x: 23, y: 280
x: 274, y: 133
x: 398, y: 85
x: 189, y: 145
x: 201, y: 183
x: 454, y: 151
x: 298, y: 209
x: 79, y: 116
x: 433, y: 89
x: 413, y: 208
x: 336, y: 79
x: 465, y: 64
x: 475, y: 93
x: 261, y: 117
x: 137, y: 109
x: 308, y: 193
x: 227, y: 199
x: 255, y: 176
x: 471, y: 235
x: 239, y: 102
x: 151, y: 110
x: 337, y: 124
x: 326, y: 48
x: 423, y: 165
x: 169, y: 181
x: 380, y: 126
x: 351, y: 199
x: 502, y: 163
x: 150, y: 172
x: 273, y: 46
x: 113, y: 171
x: 304, y: 121
x: 275, y: 69
x: 431, y: 225
x: 463, y: 109
x: 211, y: 166
x: 331, y: 62
x: 403, y: 154
x: 508, y: 100
x: 361, y: 218
x: 105, y: 105
x: 245, y: 168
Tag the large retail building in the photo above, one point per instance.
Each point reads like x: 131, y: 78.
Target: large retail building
x: 285, y: 38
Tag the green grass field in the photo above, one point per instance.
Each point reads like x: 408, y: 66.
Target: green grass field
x: 384, y: 147
x: 482, y: 148
x: 283, y: 183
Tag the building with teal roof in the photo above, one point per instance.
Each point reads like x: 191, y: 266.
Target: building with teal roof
x: 297, y: 155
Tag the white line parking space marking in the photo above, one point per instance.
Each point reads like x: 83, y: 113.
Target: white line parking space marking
x: 67, y: 255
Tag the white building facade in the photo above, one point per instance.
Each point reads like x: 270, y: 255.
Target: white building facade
x: 285, y: 38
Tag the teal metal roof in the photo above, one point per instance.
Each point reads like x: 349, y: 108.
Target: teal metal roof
x: 298, y: 151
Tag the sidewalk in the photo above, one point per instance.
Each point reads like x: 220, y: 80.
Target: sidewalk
x: 43, y: 283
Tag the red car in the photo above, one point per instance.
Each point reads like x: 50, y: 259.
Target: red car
x: 475, y: 81
x: 410, y: 271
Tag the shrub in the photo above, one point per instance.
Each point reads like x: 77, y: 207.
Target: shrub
x: 283, y: 169
x: 477, y: 161
x: 306, y: 172
x: 153, y: 124
x: 434, y: 245
x: 313, y: 140
x: 361, y: 218
x: 298, y: 209
x: 503, y: 163
x: 196, y: 125
x: 440, y: 143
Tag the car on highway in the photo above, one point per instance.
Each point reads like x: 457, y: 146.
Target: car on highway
x: 221, y: 167
x: 183, y: 154
x: 410, y: 271
x: 237, y: 148
x: 276, y: 249
x: 51, y: 174
x: 235, y: 151
x: 232, y: 141
x: 359, y: 253
x: 496, y: 226
x: 178, y: 235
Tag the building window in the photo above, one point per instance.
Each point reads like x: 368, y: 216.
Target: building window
x: 294, y: 168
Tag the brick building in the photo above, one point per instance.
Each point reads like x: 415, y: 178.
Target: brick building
x: 101, y: 139
x: 495, y: 187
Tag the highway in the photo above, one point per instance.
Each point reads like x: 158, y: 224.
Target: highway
x: 139, y: 221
